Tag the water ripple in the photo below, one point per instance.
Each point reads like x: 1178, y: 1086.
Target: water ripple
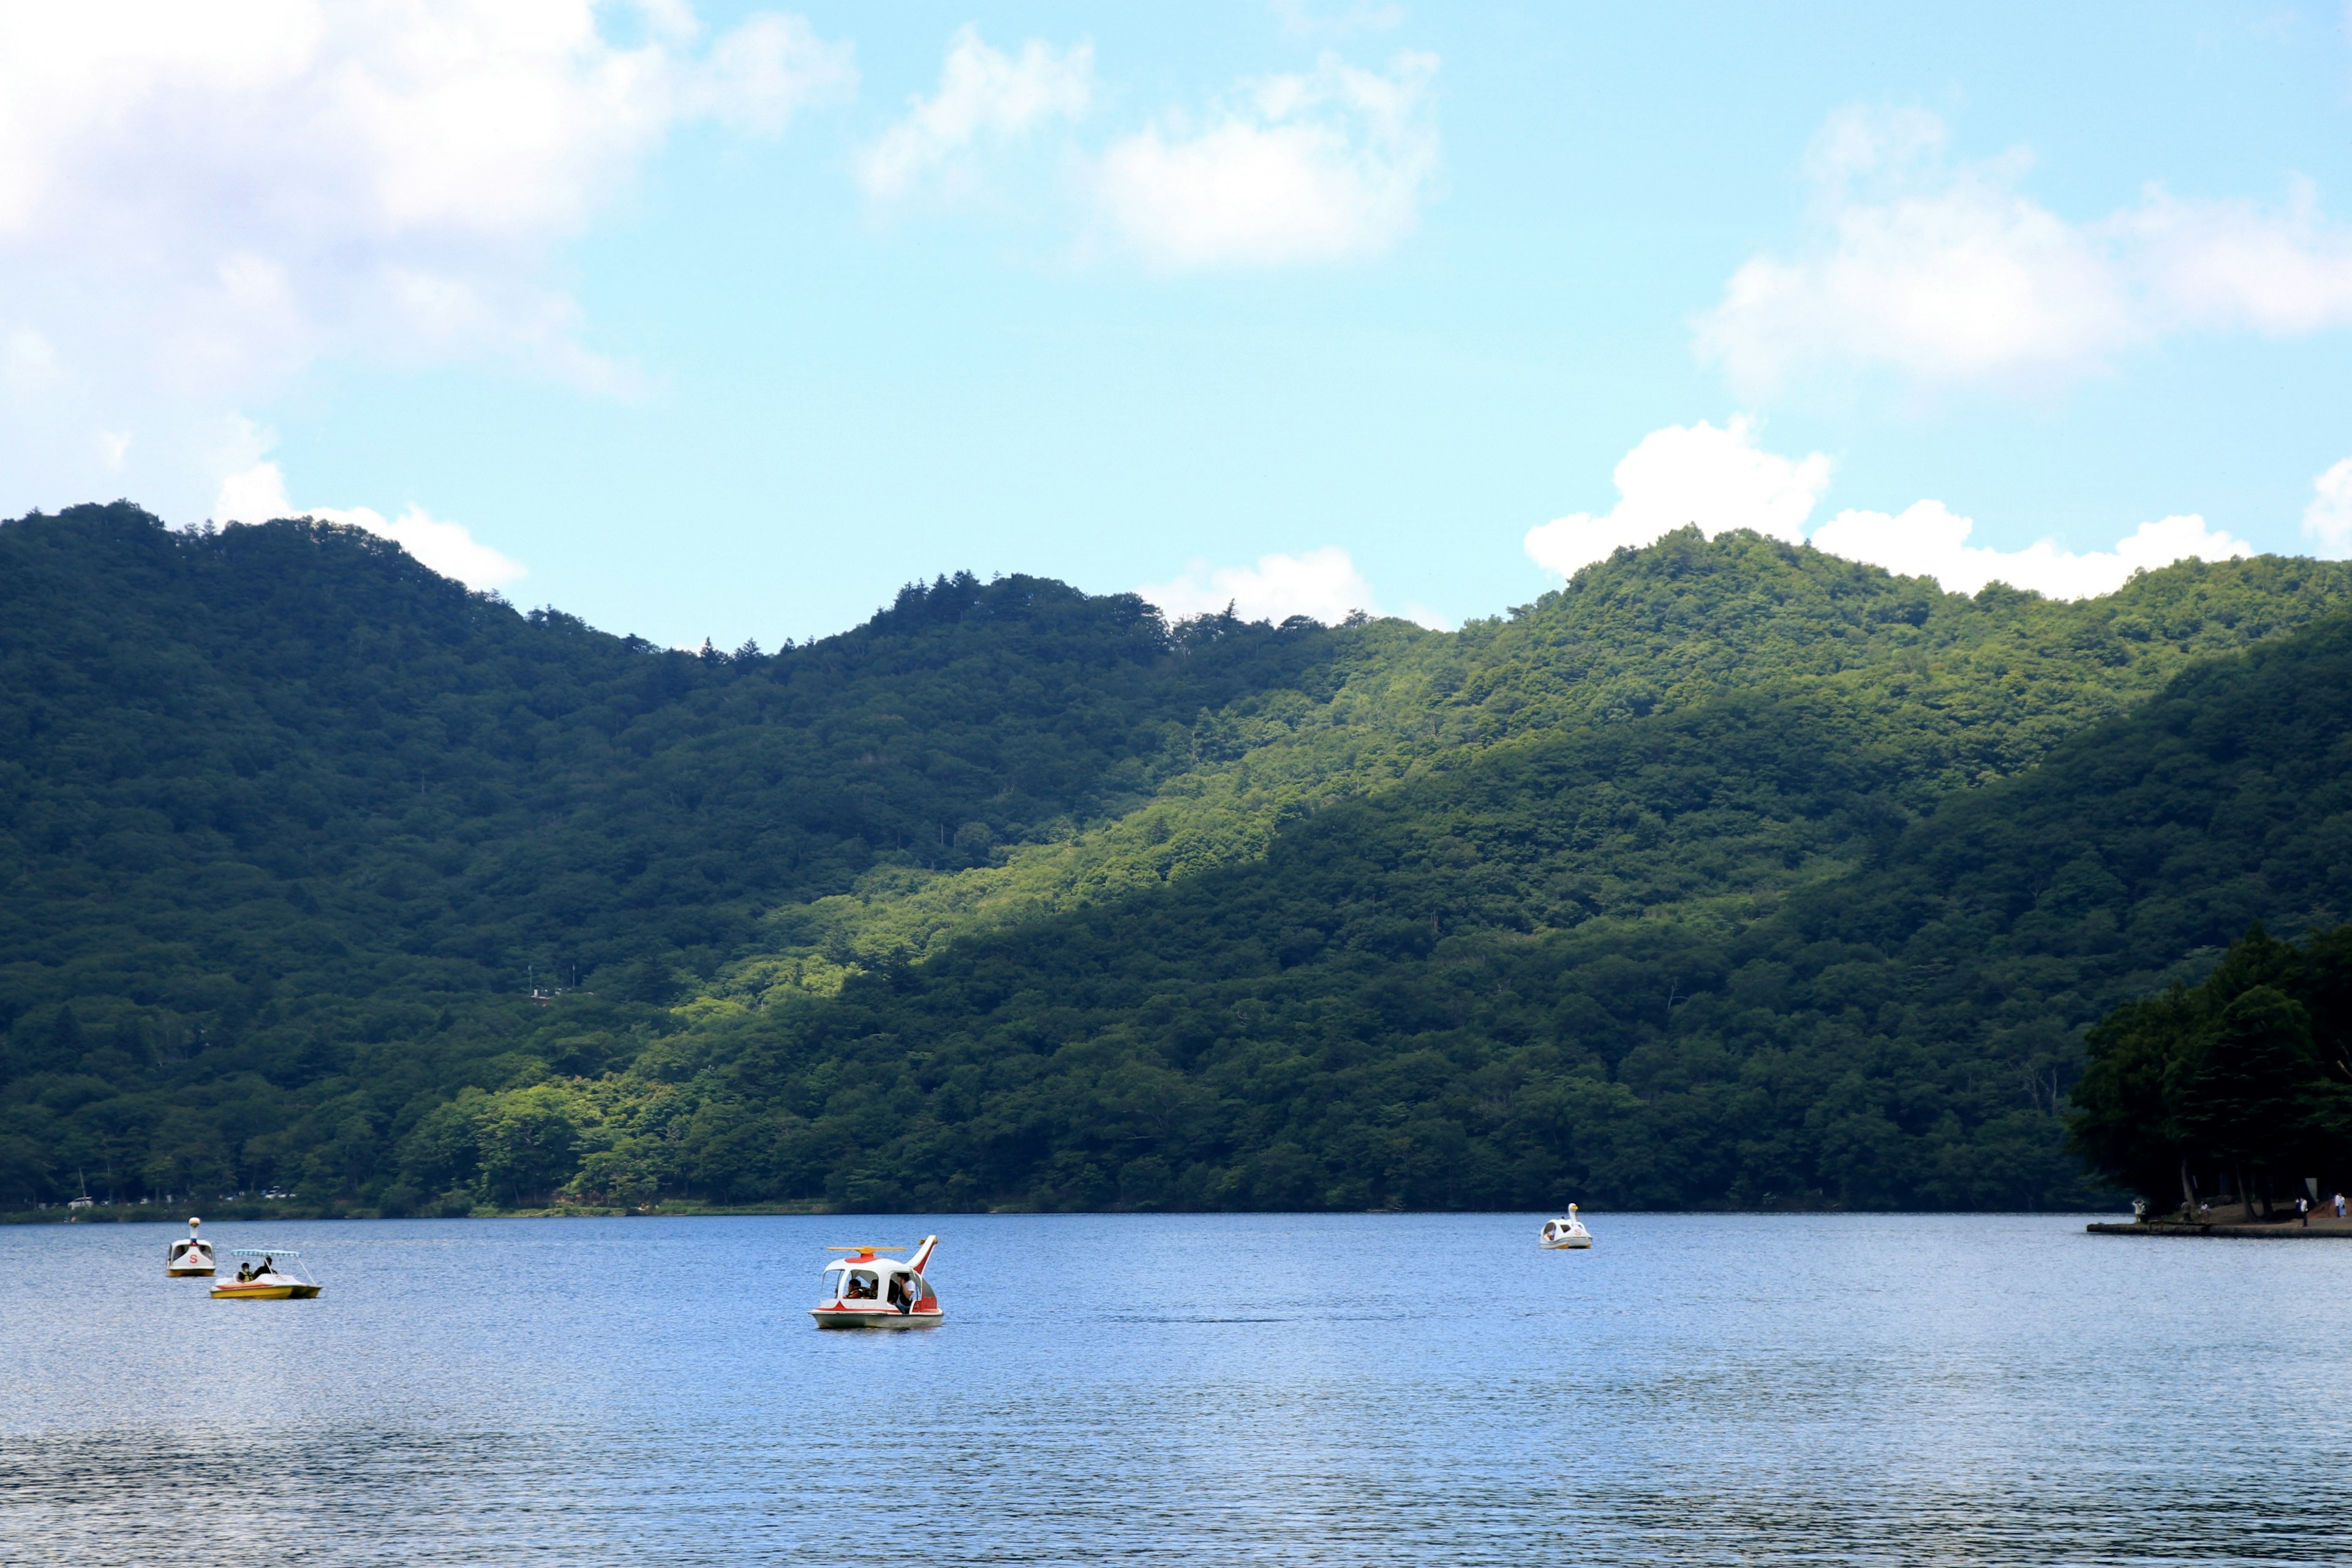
x: 1359, y: 1389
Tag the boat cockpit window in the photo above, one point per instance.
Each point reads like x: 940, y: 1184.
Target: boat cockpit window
x: 864, y: 1285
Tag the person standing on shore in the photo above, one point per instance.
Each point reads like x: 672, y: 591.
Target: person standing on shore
x: 2303, y: 1212
x: 2339, y: 1205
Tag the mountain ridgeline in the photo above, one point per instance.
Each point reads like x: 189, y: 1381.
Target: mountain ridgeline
x: 1731, y: 874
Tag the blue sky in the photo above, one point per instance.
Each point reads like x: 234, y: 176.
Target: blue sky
x: 724, y: 322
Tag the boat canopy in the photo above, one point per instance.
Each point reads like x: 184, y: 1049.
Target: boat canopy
x: 263, y: 1252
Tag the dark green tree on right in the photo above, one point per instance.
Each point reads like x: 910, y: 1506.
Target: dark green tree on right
x: 2239, y: 1085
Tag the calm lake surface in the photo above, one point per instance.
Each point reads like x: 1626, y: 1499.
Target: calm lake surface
x: 1211, y: 1390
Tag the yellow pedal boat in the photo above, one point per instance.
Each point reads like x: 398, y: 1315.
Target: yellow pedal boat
x: 266, y: 1281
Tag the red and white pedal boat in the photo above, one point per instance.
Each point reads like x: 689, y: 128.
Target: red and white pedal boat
x: 867, y: 1290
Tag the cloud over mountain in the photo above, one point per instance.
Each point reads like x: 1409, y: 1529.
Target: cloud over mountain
x: 1724, y: 478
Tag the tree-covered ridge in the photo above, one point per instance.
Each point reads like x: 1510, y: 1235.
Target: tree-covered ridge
x: 1937, y: 691
x: 306, y: 701
x: 285, y: 822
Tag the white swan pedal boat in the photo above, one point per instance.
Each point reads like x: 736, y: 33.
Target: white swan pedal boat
x: 191, y: 1256
x: 1568, y: 1231
x: 277, y: 1278
x: 867, y: 1290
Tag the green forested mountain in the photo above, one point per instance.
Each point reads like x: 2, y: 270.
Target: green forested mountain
x: 1732, y: 873
x: 280, y: 809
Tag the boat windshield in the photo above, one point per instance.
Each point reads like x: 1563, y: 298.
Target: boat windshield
x: 853, y: 1284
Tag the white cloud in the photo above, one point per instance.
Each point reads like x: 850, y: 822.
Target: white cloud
x: 1323, y: 583
x: 256, y: 494
x: 1686, y: 474
x: 764, y: 71
x: 1944, y: 272
x: 259, y: 495
x: 1926, y: 540
x: 2328, y: 519
x: 1723, y: 480
x: 198, y: 203
x: 981, y: 91
x: 1331, y: 167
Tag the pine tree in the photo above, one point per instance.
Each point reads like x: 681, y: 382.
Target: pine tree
x: 2241, y: 1092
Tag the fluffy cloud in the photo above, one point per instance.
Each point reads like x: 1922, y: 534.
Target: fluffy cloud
x: 198, y: 203
x: 1943, y: 271
x: 1924, y: 540
x: 259, y: 495
x: 1723, y: 480
x: 1322, y: 584
x: 2327, y: 520
x: 1329, y: 166
x: 1686, y: 474
x: 981, y: 92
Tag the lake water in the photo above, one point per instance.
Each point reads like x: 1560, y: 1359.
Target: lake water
x: 1205, y: 1390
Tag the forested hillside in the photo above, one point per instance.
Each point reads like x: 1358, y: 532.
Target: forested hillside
x: 1731, y: 874
x: 280, y: 808
x: 1563, y: 966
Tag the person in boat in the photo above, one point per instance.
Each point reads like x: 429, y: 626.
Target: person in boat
x: 244, y: 1272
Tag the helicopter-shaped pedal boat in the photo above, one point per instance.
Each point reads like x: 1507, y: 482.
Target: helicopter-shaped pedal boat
x: 867, y: 1290
x: 191, y: 1256
x: 266, y: 1280
x: 1566, y: 1231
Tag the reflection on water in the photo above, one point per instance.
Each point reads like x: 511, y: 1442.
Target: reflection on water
x: 1398, y: 1389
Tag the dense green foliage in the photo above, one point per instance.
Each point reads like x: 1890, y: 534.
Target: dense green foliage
x: 1461, y: 992
x: 282, y: 813
x: 1732, y: 873
x: 2241, y: 1085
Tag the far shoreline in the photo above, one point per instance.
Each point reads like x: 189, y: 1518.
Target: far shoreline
x: 248, y: 1213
